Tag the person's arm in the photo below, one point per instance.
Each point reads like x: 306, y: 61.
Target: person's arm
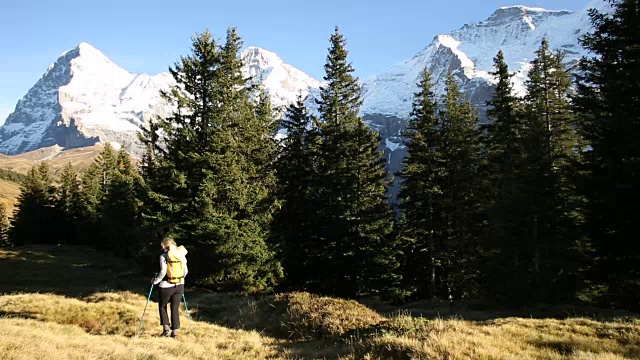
x: 163, y: 271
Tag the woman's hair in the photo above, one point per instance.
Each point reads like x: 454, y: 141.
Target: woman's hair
x: 168, y: 242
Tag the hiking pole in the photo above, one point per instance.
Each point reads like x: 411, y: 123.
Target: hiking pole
x: 187, y: 309
x: 145, y: 307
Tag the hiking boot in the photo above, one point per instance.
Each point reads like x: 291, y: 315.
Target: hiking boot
x: 174, y: 334
x: 166, y: 333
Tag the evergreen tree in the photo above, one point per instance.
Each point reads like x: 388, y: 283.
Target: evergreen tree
x: 34, y: 216
x: 155, y: 170
x: 69, y: 205
x: 505, y: 155
x: 91, y: 197
x: 357, y: 254
x: 219, y: 183
x: 96, y: 184
x: 293, y: 222
x: 107, y: 163
x: 551, y: 147
x: 120, y: 209
x: 459, y: 225
x: 421, y: 174
x: 609, y: 113
x: 4, y: 226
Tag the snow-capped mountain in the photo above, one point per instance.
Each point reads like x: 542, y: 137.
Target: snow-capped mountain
x: 282, y: 81
x: 84, y: 98
x: 468, y: 52
x: 81, y: 99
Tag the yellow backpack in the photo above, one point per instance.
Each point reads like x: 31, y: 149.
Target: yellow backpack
x: 175, y: 267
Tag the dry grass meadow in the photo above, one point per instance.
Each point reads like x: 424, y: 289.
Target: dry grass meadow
x: 9, y: 192
x: 76, y: 303
x: 56, y: 157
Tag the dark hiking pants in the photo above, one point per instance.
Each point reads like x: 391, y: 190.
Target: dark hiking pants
x: 171, y: 295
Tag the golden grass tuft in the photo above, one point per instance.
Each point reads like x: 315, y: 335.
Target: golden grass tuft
x: 308, y: 316
x: 299, y: 316
x: 98, y: 318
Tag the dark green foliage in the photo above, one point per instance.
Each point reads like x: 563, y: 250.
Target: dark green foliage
x: 35, y: 216
x: 293, y: 225
x: 102, y: 209
x: 441, y: 195
x: 353, y: 252
x: 504, y: 144
x: 421, y: 174
x: 608, y: 106
x: 120, y: 210
x: 70, y: 207
x: 96, y: 184
x: 460, y: 224
x: 4, y: 226
x: 214, y: 185
x: 553, y: 206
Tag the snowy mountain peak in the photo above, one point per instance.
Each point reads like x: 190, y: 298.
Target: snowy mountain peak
x: 262, y: 57
x: 519, y: 15
x: 282, y: 81
x: 85, y: 57
x: 86, y: 49
x: 524, y: 9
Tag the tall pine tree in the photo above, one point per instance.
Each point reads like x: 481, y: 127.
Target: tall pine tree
x: 505, y: 159
x: 35, y: 215
x: 459, y: 224
x: 219, y: 183
x: 120, y: 209
x: 356, y: 252
x: 294, y: 221
x: 553, y: 205
x: 70, y: 206
x: 609, y: 113
x: 420, y: 191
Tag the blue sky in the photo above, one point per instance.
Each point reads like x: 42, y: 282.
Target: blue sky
x: 147, y: 36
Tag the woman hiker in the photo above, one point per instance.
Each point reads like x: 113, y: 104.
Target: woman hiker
x: 173, y: 269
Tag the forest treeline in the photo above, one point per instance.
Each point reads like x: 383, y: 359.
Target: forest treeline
x: 538, y: 205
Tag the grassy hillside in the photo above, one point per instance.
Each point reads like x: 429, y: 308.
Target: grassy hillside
x: 57, y: 158
x: 76, y: 303
x: 9, y: 192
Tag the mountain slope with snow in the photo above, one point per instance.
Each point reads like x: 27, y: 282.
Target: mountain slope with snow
x: 84, y: 98
x: 468, y: 52
x: 282, y: 81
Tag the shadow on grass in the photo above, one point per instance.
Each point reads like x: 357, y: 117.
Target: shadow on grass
x: 480, y: 313
x: 73, y: 271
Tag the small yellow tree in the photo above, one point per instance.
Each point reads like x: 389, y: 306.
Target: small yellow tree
x: 4, y: 225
